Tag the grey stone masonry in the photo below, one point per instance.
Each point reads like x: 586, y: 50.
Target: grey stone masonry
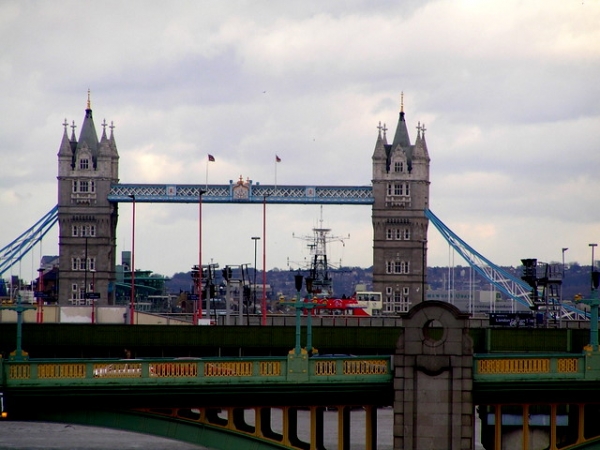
x: 401, y: 195
x: 87, y: 167
x: 433, y: 408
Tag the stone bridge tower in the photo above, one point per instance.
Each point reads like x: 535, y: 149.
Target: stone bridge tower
x: 433, y: 380
x: 401, y: 193
x: 87, y: 220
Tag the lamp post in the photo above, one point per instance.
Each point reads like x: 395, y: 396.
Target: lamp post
x: 264, y: 258
x: 594, y: 304
x: 298, y: 284
x: 40, y: 299
x: 564, y: 249
x: 19, y: 354
x: 592, y: 267
x: 255, y: 239
x: 309, y: 289
x: 423, y: 269
x: 198, y: 310
x: 85, y: 286
x: 93, y: 295
x: 132, y: 299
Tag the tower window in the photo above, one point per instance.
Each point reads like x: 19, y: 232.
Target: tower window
x: 398, y: 167
x: 397, y: 267
x: 406, y: 234
x: 84, y: 186
x: 88, y: 230
x: 84, y: 163
x: 404, y: 267
x: 389, y: 267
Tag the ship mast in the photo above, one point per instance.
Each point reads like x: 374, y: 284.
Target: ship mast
x: 319, y: 267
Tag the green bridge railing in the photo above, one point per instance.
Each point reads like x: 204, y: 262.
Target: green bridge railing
x: 195, y: 371
x: 536, y: 367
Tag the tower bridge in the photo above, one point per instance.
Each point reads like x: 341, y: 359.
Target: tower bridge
x: 89, y: 192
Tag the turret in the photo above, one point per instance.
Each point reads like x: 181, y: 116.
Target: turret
x: 87, y: 221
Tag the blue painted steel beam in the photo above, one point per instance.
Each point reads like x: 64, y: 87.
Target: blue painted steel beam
x: 242, y: 192
x: 11, y: 254
x: 513, y: 287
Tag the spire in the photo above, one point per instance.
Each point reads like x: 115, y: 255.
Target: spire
x: 401, y: 137
x: 103, y: 125
x: 65, y: 144
x: 385, y: 134
x: 379, y: 152
x: 420, y: 149
x: 402, y: 102
x: 88, y: 134
x: 113, y: 143
x: 424, y: 143
x: 73, y: 138
x: 104, y: 150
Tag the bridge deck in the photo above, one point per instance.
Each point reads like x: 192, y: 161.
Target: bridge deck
x: 247, y: 193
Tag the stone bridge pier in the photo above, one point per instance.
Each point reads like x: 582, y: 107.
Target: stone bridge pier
x: 433, y: 380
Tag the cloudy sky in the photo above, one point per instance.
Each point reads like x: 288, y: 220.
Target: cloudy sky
x: 509, y: 92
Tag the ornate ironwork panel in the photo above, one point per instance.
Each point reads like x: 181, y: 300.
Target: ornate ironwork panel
x: 241, y: 192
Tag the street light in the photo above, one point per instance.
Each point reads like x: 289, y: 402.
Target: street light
x: 85, y: 286
x: 423, y: 269
x: 564, y: 249
x: 132, y: 299
x: 198, y: 310
x: 40, y: 300
x: 264, y: 258
x: 592, y: 267
x: 255, y: 239
x: 93, y: 295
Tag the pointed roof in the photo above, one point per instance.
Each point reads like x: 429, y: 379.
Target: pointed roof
x: 65, y: 144
x: 421, y: 145
x: 88, y: 135
x: 401, y: 137
x: 380, y: 152
x: 113, y: 143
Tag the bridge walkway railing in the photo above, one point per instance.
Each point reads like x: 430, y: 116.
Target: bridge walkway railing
x: 197, y: 371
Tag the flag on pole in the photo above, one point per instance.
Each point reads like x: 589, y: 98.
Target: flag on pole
x: 277, y: 158
x: 211, y: 158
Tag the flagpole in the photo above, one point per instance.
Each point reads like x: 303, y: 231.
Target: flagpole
x: 277, y: 160
x: 206, y: 179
